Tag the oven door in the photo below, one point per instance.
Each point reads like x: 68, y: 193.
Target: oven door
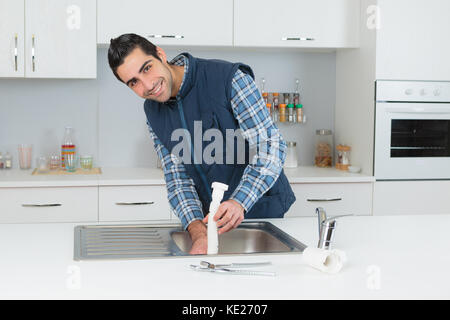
x: 412, y: 141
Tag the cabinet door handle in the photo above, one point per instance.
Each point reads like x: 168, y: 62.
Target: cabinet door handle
x: 320, y: 200
x: 42, y: 205
x: 297, y: 39
x: 15, y: 51
x: 33, y: 62
x: 133, y: 203
x: 168, y: 36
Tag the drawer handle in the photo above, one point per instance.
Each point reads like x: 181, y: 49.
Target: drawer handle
x: 166, y: 36
x: 320, y: 200
x: 42, y: 205
x: 297, y: 39
x: 133, y: 203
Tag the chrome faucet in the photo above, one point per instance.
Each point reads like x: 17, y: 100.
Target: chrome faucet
x: 326, y: 228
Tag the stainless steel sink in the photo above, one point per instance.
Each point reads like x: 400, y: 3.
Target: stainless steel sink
x: 98, y: 242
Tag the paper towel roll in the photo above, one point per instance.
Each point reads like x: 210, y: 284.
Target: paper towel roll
x: 329, y: 261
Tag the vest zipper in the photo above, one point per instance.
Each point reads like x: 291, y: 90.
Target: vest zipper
x: 197, y: 167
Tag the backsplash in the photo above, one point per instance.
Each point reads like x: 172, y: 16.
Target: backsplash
x: 109, y: 119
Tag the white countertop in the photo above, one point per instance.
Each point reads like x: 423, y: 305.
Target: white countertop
x: 151, y: 176
x: 389, y: 257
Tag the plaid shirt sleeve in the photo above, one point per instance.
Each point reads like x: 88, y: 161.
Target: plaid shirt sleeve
x: 183, y: 197
x: 261, y: 133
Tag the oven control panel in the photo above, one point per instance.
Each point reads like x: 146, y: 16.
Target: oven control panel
x: 412, y: 91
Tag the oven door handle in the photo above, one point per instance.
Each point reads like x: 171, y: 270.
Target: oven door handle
x: 420, y: 110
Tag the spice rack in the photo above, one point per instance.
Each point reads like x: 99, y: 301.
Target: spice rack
x: 284, y: 107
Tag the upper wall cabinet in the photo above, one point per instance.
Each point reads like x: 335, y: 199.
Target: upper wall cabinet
x: 413, y: 40
x: 12, y: 33
x: 299, y: 23
x: 177, y: 22
x: 48, y: 38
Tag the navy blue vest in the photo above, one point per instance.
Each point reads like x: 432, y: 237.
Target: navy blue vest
x: 205, y: 96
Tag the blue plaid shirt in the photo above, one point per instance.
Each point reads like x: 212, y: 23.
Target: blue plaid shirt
x: 257, y: 128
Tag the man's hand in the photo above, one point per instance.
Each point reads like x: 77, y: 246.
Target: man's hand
x: 198, y: 232
x: 228, y: 216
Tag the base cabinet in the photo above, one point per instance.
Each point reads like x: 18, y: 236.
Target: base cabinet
x: 411, y: 197
x: 334, y: 198
x: 149, y: 202
x: 133, y: 203
x: 49, y: 204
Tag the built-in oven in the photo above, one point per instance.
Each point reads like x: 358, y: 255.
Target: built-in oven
x: 412, y: 130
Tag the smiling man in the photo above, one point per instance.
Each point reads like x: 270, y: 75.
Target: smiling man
x: 194, y: 94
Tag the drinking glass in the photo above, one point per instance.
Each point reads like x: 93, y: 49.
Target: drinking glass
x: 70, y: 162
x: 86, y: 162
x: 55, y: 162
x: 25, y: 151
x: 42, y: 164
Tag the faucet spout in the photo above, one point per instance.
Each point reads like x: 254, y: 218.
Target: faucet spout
x: 326, y: 228
x: 321, y: 217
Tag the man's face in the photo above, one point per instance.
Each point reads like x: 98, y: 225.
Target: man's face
x: 148, y: 77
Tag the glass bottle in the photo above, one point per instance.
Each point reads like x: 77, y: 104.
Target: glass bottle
x: 290, y: 112
x: 299, y: 113
x: 275, y: 105
x: 297, y: 92
x: 282, y: 112
x: 324, y: 149
x: 265, y: 96
x: 2, y: 164
x: 269, y: 108
x: 68, y: 145
x: 287, y: 98
x: 276, y: 100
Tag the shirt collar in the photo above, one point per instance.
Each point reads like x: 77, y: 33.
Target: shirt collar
x: 181, y: 60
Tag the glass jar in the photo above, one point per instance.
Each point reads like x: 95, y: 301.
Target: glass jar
x: 8, y: 161
x: 343, y: 157
x: 324, y: 149
x: 282, y: 112
x: 291, y: 155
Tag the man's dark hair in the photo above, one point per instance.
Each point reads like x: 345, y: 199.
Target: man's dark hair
x: 122, y: 46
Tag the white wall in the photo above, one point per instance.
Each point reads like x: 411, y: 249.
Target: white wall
x: 109, y: 119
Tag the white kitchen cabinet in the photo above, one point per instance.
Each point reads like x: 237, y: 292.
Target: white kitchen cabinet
x: 335, y: 198
x: 413, y: 41
x: 196, y: 23
x: 53, y: 204
x: 60, y: 39
x: 48, y: 39
x: 400, y: 40
x: 300, y: 23
x: 411, y: 197
x: 12, y: 34
x: 133, y: 203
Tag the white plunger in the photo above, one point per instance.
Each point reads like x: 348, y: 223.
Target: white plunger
x: 217, y: 196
